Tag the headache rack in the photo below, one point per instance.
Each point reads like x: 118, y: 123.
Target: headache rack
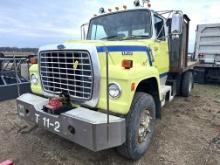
x: 14, y: 76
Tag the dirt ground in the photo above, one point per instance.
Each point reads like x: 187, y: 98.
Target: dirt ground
x: 188, y: 133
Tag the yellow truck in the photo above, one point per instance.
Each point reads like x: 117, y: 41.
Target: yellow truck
x: 107, y: 90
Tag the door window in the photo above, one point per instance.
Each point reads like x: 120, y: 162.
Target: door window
x: 159, y: 28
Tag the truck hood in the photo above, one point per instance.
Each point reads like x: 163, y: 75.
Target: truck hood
x: 91, y: 44
x: 99, y: 43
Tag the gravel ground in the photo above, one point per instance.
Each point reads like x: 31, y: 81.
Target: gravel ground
x: 188, y: 133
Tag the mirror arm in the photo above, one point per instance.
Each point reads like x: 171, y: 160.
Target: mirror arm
x: 82, y: 29
x: 164, y: 28
x: 161, y: 38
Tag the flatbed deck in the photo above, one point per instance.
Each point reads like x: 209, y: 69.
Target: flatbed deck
x: 190, y: 65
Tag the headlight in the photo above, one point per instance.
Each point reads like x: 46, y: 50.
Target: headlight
x: 34, y: 79
x: 114, y: 90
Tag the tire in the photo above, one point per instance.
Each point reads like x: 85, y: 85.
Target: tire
x: 187, y: 84
x: 136, y: 145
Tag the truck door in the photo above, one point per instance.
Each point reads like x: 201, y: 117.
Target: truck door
x: 160, y: 47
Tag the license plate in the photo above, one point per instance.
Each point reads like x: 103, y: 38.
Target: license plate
x: 47, y: 122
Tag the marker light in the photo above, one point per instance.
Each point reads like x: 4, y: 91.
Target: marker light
x: 117, y: 8
x: 137, y: 3
x: 101, y: 10
x: 124, y: 7
x: 133, y: 86
x: 127, y: 64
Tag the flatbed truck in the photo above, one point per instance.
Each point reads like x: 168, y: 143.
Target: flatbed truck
x: 207, y: 52
x: 108, y: 90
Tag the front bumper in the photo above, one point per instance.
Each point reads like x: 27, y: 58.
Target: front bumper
x: 81, y: 125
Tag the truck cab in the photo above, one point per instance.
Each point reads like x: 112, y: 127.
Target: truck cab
x: 107, y: 90
x: 140, y: 25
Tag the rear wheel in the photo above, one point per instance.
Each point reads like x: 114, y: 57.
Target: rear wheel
x: 140, y: 125
x: 187, y: 84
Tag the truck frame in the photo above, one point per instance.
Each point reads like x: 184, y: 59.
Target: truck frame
x: 107, y: 91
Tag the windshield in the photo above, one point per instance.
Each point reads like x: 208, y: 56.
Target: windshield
x: 125, y: 25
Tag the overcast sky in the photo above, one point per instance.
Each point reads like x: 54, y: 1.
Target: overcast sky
x: 29, y: 23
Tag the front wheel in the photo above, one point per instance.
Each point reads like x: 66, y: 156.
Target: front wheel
x: 140, y: 126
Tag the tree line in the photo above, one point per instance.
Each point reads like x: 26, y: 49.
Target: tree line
x: 15, y: 49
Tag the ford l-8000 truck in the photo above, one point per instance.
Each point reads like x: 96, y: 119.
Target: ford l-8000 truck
x: 107, y: 91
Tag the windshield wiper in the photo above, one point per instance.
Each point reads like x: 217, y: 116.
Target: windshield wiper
x: 121, y: 37
x: 110, y: 37
x: 136, y: 37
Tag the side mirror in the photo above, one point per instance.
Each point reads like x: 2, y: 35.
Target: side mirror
x: 177, y: 23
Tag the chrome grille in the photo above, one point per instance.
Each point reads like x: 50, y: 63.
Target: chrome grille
x: 68, y: 72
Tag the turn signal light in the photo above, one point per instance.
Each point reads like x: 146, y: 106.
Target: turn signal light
x: 127, y: 64
x: 110, y: 10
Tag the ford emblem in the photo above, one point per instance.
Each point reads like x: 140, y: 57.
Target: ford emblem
x: 61, y: 47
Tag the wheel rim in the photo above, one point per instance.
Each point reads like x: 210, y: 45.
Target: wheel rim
x: 144, y: 126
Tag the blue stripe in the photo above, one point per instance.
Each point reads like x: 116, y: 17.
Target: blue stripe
x: 163, y: 74
x: 122, y: 48
x: 125, y: 48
